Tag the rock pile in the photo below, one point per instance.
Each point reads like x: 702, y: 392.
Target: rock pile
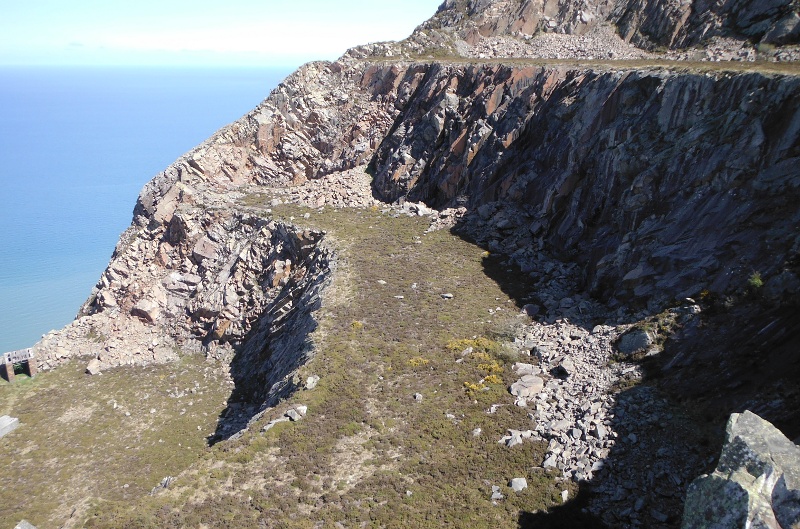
x: 596, y: 434
x: 600, y: 43
x: 343, y: 189
x: 568, y: 393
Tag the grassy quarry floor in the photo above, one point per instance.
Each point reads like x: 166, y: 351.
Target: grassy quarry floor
x: 90, y: 450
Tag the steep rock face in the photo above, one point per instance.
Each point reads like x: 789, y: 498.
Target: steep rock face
x: 653, y: 181
x: 202, y: 281
x: 682, y: 24
x: 488, y: 18
x: 756, y: 483
x: 658, y: 184
x: 325, y: 117
x: 646, y: 23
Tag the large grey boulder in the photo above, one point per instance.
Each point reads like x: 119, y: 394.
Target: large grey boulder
x: 635, y: 340
x: 527, y: 387
x: 756, y: 483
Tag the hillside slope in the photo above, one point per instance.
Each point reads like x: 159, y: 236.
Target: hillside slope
x: 589, y: 201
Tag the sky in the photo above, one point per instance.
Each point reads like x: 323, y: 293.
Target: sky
x: 198, y: 32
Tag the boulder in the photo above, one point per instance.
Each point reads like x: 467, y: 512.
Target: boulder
x: 521, y: 369
x: 565, y: 368
x: 530, y: 310
x: 312, y: 381
x: 756, y: 482
x: 146, y: 309
x: 518, y: 484
x: 527, y: 386
x: 635, y: 340
x: 204, y: 249
x: 93, y: 367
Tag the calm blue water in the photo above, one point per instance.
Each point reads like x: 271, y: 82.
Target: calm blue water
x: 76, y: 147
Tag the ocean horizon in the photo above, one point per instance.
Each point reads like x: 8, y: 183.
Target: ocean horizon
x: 78, y: 144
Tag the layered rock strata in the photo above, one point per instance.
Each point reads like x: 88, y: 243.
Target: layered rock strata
x: 653, y: 182
x: 656, y: 183
x: 630, y: 185
x: 645, y: 23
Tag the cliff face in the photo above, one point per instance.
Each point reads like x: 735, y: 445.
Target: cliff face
x: 659, y: 184
x: 646, y: 23
x: 656, y: 183
x: 632, y: 184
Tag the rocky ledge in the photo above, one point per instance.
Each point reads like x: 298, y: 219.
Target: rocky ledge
x: 616, y: 188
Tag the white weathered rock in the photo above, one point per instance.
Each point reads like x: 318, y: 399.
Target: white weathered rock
x: 312, y: 381
x: 496, y: 494
x: 93, y: 367
x: 518, y: 484
x: 527, y: 386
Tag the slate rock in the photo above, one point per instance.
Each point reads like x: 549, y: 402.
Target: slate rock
x: 756, y: 482
x: 531, y: 310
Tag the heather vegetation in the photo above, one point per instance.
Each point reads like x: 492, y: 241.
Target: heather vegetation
x: 367, y: 451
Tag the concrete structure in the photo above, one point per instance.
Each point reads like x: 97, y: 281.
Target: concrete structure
x: 24, y: 356
x: 8, y: 424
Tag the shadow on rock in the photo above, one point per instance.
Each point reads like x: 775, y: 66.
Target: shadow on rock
x: 744, y: 357
x: 572, y: 515
x: 264, y: 366
x: 544, y: 287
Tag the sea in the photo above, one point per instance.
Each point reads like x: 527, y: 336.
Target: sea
x: 76, y: 146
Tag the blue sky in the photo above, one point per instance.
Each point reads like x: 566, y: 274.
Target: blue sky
x: 198, y: 32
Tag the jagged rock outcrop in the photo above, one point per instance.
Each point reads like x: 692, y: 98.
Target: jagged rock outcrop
x: 654, y: 182
x: 646, y: 23
x: 756, y: 483
x: 657, y: 183
x: 630, y: 185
